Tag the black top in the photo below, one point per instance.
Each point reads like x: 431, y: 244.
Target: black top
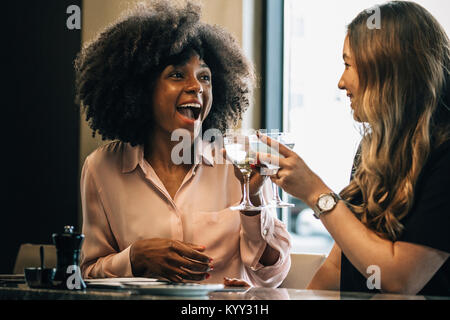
x: 428, y: 224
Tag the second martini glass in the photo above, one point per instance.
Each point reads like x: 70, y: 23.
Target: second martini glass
x: 288, y: 140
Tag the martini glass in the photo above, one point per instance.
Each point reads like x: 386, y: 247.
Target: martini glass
x: 288, y: 140
x: 238, y: 151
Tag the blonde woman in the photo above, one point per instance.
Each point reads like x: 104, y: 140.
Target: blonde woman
x: 391, y: 224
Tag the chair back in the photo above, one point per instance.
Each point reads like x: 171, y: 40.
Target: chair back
x: 303, y: 268
x: 29, y: 256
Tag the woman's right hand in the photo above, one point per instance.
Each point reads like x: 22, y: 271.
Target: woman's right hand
x: 294, y: 175
x: 170, y: 259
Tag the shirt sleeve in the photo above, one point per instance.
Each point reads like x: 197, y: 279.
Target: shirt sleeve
x: 428, y: 222
x: 100, y: 257
x: 256, y: 233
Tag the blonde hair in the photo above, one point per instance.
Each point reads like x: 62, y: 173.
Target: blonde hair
x: 403, y: 71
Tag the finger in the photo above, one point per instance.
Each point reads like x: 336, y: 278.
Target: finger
x: 179, y: 270
x: 197, y: 247
x: 175, y: 278
x: 271, y: 159
x: 174, y: 260
x: 187, y: 251
x: 176, y: 273
x: 187, y: 274
x: 180, y: 274
x: 234, y: 282
x: 196, y: 266
x: 282, y: 149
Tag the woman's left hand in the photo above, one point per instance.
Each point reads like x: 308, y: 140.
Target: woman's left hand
x: 294, y: 176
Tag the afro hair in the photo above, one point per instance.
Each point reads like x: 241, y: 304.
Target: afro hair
x: 115, y: 72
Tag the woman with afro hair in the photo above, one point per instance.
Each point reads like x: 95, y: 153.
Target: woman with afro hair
x: 157, y: 70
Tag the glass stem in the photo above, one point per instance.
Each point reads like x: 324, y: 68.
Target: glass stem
x: 247, y: 201
x: 276, y: 196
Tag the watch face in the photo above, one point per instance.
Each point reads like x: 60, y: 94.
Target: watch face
x: 326, y: 202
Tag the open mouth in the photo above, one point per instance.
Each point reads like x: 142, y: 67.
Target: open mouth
x: 190, y: 111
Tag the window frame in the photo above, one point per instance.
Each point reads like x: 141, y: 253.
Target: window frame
x: 273, y: 67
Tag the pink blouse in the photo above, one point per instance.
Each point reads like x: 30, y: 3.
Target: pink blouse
x: 123, y: 201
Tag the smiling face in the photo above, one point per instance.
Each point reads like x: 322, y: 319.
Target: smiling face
x: 182, y: 96
x: 349, y: 80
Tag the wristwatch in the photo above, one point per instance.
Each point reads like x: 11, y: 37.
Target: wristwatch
x: 325, y: 203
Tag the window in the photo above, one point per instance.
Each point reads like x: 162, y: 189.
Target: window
x: 314, y: 109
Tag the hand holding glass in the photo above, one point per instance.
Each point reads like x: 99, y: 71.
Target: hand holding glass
x: 238, y: 150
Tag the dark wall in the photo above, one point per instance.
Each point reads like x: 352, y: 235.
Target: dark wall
x: 40, y: 128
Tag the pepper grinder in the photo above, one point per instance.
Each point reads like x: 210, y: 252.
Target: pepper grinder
x: 68, y: 247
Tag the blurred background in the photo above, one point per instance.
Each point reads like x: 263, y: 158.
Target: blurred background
x: 296, y: 48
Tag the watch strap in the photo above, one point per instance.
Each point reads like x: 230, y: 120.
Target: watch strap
x: 318, y: 212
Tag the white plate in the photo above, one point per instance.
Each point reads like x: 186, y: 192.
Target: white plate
x: 118, y: 283
x: 122, y: 280
x: 178, y: 289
